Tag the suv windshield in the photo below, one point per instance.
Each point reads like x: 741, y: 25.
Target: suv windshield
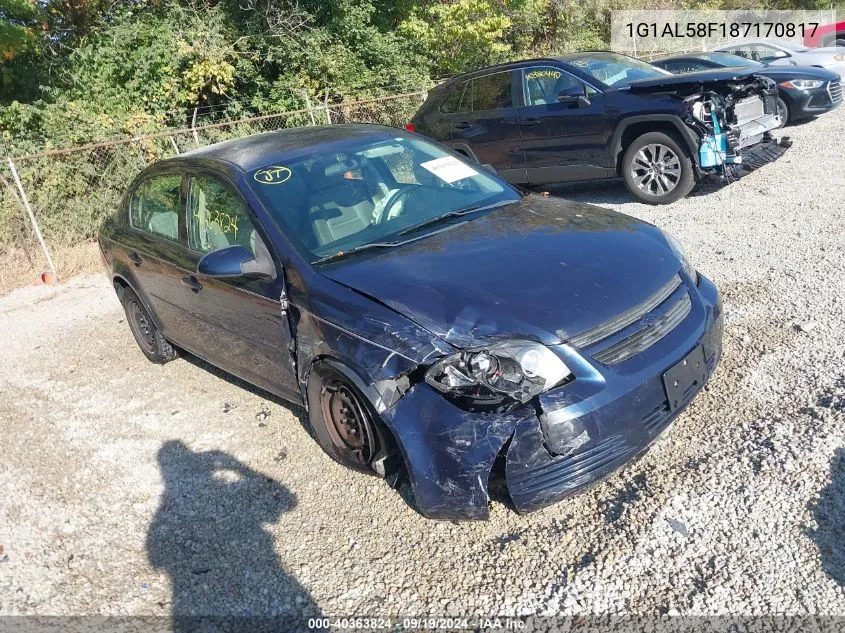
x: 372, y: 192
x: 616, y: 70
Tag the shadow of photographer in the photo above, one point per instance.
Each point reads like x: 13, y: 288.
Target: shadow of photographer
x: 208, y: 535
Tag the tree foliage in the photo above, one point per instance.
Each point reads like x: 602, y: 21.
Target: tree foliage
x: 74, y: 71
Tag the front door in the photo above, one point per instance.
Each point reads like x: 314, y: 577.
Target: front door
x: 239, y: 325
x: 486, y: 123
x: 561, y: 141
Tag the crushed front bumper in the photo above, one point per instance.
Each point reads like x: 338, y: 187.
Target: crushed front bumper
x: 572, y: 437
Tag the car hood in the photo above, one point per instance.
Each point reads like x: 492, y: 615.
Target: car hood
x: 785, y: 73
x: 542, y: 268
x: 689, y: 83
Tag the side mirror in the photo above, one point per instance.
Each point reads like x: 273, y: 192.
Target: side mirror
x: 235, y: 261
x: 574, y: 95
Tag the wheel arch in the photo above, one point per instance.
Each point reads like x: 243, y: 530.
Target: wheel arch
x: 121, y: 281
x: 631, y: 128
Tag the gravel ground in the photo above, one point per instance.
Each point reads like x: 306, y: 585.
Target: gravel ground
x: 129, y: 488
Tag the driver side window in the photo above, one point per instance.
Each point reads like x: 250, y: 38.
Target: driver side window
x: 541, y: 85
x: 216, y: 217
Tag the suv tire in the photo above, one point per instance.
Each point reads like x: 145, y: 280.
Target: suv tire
x: 657, y: 170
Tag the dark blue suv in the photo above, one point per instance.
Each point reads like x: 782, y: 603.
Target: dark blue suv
x: 597, y: 115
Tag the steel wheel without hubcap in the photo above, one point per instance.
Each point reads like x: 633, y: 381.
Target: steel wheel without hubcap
x: 143, y: 329
x: 656, y: 169
x: 348, y: 423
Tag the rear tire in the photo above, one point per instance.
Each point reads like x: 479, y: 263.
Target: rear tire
x: 343, y: 421
x: 657, y: 170
x: 151, y: 341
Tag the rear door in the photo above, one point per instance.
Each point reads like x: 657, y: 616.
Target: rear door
x: 153, y: 246
x: 239, y: 325
x: 486, y: 122
x: 561, y: 141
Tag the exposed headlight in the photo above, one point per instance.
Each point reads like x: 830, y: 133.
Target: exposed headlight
x: 676, y: 247
x: 514, y: 369
x: 802, y: 84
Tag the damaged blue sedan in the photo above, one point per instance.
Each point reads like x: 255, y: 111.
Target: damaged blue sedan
x: 434, y: 320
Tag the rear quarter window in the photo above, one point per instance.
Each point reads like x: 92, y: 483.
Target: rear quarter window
x: 452, y: 102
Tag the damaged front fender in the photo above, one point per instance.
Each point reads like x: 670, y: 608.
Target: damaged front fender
x: 449, y: 452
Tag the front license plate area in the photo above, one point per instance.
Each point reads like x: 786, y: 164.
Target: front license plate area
x: 685, y: 378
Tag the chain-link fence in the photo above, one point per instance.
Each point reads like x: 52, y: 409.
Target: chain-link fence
x: 66, y: 193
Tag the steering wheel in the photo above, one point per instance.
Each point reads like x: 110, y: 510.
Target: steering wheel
x: 394, y: 198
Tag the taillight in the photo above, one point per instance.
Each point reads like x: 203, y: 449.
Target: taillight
x: 410, y: 127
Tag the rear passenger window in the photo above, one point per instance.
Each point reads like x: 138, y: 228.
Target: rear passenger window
x: 492, y: 92
x: 452, y: 103
x: 216, y: 217
x: 154, y: 207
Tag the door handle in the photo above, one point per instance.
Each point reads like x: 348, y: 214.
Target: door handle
x: 463, y: 125
x: 529, y: 121
x: 135, y: 258
x: 192, y: 283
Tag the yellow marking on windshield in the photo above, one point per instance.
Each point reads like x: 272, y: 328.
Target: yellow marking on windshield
x: 273, y: 175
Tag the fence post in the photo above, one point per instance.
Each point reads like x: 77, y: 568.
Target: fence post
x: 175, y: 146
x: 308, y: 105
x: 25, y: 201
x: 326, y: 107
x: 194, y: 128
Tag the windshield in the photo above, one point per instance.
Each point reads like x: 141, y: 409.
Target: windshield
x: 370, y: 192
x: 616, y: 70
x: 735, y: 61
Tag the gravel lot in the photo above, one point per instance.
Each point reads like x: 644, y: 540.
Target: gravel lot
x: 129, y: 488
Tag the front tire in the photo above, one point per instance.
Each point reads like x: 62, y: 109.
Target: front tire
x: 656, y: 170
x: 151, y: 341
x: 783, y: 112
x: 343, y: 421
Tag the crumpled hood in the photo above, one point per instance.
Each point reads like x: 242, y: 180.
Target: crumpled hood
x: 720, y: 79
x: 542, y: 268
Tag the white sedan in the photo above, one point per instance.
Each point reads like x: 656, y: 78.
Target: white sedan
x: 787, y: 53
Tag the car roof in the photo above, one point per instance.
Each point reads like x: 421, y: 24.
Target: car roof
x: 259, y: 150
x: 562, y: 58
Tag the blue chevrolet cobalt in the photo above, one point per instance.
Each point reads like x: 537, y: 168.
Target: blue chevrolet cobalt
x: 437, y: 323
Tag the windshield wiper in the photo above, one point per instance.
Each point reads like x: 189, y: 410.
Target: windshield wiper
x: 374, y: 245
x: 453, y: 214
x: 355, y: 249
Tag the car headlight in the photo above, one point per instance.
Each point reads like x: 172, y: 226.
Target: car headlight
x: 678, y: 250
x: 511, y: 369
x: 802, y: 84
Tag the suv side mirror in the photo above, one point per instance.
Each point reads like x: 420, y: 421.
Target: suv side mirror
x: 574, y: 95
x: 235, y: 261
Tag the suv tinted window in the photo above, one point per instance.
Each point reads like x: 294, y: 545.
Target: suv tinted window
x: 216, y: 217
x: 492, y: 92
x: 154, y: 207
x: 452, y: 103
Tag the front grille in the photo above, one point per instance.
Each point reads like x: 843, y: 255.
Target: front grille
x: 623, y: 320
x: 649, y: 335
x: 834, y: 89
